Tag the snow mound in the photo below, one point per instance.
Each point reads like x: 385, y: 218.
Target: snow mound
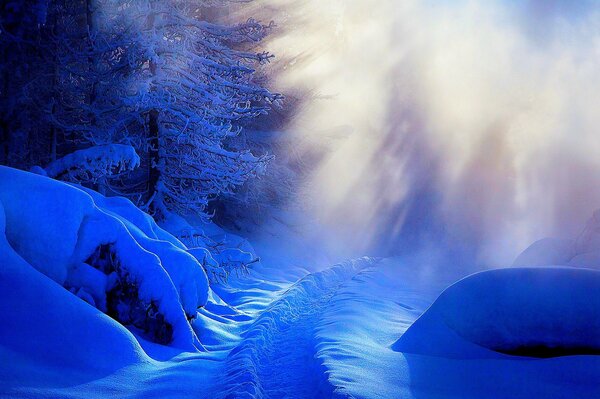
x: 106, y: 252
x: 44, y: 322
x: 582, y: 252
x: 537, y: 312
x: 547, y: 251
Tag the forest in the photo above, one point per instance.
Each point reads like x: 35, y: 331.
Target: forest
x: 141, y: 99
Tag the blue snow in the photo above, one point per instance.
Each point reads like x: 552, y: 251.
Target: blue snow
x: 362, y: 328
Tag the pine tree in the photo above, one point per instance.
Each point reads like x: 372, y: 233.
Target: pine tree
x: 195, y: 88
x: 108, y: 81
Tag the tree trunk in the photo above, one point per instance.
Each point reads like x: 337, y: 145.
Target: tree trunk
x: 89, y: 14
x: 4, y: 129
x: 153, y: 154
x: 153, y: 130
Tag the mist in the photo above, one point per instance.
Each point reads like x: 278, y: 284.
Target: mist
x: 462, y: 125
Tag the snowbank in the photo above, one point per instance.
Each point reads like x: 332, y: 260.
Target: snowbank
x: 106, y: 252
x: 45, y: 322
x: 538, y: 312
x: 547, y: 251
x: 581, y: 252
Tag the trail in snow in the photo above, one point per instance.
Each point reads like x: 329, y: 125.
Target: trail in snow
x: 277, y: 357
x: 365, y: 318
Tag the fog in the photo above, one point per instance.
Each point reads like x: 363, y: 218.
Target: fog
x: 464, y: 125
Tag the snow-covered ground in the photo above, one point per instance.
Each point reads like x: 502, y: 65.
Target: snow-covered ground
x: 362, y: 328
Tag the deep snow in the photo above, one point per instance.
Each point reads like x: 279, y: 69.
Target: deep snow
x: 545, y: 312
x: 59, y: 230
x: 365, y: 328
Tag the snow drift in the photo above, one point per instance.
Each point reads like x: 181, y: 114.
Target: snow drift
x: 44, y: 322
x: 106, y: 252
x: 537, y: 312
x: 584, y: 251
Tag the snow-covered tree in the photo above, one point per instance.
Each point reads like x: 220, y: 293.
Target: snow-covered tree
x: 192, y: 85
x: 152, y: 75
x: 20, y: 22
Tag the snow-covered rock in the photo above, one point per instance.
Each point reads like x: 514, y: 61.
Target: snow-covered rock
x: 543, y: 312
x: 105, y: 251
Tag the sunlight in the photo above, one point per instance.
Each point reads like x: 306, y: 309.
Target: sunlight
x: 446, y: 111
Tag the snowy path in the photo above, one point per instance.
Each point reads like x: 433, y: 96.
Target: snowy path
x: 330, y: 334
x: 363, y: 321
x: 277, y: 357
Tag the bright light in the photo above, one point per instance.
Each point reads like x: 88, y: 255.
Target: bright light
x: 465, y: 122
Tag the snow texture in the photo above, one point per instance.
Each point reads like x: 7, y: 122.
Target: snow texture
x: 359, y: 329
x: 62, y: 231
x: 45, y: 322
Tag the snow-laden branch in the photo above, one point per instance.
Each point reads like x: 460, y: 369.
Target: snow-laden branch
x: 102, y: 160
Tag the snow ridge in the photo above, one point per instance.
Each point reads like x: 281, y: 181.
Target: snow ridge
x: 277, y: 356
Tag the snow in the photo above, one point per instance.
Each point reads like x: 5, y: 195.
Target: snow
x: 98, y: 300
x: 584, y: 251
x: 524, y: 310
x: 28, y: 200
x: 56, y: 228
x: 91, y: 283
x: 99, y: 160
x: 45, y: 323
x: 547, y: 251
x: 132, y: 216
x: 289, y: 327
x: 283, y: 335
x: 370, y: 312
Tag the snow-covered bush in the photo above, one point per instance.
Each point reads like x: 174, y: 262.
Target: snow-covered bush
x: 44, y: 322
x: 221, y: 264
x: 221, y: 253
x: 91, y: 163
x: 107, y: 252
